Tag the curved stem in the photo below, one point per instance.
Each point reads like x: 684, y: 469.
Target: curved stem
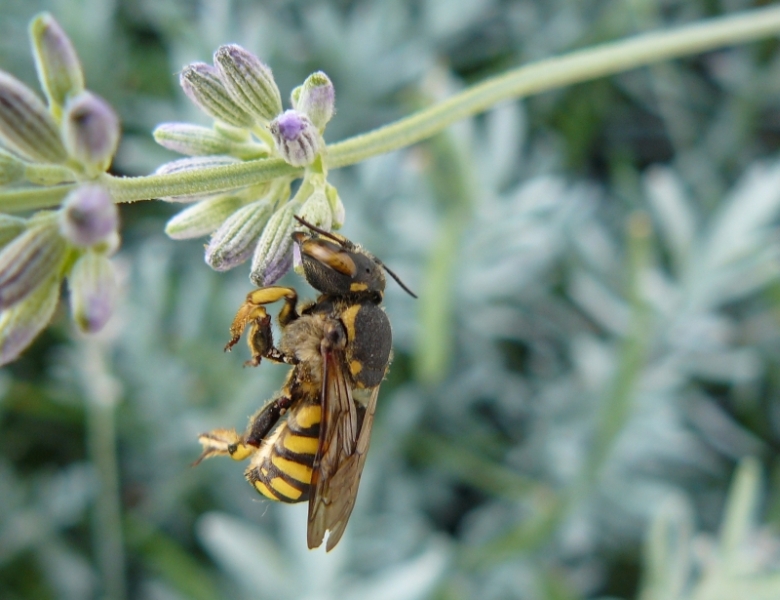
x: 551, y: 73
x: 210, y: 179
x: 548, y: 74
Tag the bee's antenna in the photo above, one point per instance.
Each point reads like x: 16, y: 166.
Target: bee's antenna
x: 322, y: 232
x: 398, y: 281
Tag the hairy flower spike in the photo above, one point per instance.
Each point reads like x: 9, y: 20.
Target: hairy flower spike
x: 233, y: 243
x: 249, y: 81
x: 296, y: 137
x: 11, y: 168
x: 194, y: 163
x: 194, y: 140
x: 336, y: 206
x: 273, y: 254
x: 21, y: 324
x: 10, y: 227
x: 59, y: 69
x: 317, y: 211
x: 25, y: 124
x: 32, y: 257
x: 204, y: 86
x: 92, y: 283
x: 88, y: 216
x: 202, y: 218
x: 91, y: 131
x: 317, y: 98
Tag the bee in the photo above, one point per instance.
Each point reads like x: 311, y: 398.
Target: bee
x: 310, y: 442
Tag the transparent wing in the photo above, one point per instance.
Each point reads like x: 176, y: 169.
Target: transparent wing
x: 344, y: 440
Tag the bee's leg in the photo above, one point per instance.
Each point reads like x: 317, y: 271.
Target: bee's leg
x: 261, y: 423
x: 221, y: 442
x: 253, y: 314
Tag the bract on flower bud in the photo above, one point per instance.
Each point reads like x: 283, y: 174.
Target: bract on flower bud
x: 88, y: 216
x: 317, y: 211
x: 296, y: 137
x: 273, y: 254
x: 195, y: 140
x: 21, y: 324
x: 25, y: 124
x: 202, y: 218
x: 249, y: 81
x: 59, y: 69
x: 11, y: 168
x: 295, y: 95
x: 194, y: 163
x: 29, y: 259
x: 336, y: 206
x: 10, y: 227
x: 204, y: 86
x: 317, y: 99
x: 91, y: 132
x: 92, y: 284
x: 233, y: 243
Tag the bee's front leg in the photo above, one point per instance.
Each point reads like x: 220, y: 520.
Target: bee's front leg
x: 253, y: 314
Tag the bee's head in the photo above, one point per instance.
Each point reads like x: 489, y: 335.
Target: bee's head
x: 334, y: 265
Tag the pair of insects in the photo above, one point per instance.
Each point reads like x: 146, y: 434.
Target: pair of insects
x: 310, y: 442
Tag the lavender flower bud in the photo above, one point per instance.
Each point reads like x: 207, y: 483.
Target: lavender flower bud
x: 295, y: 96
x: 336, y: 206
x: 194, y: 140
x: 88, y: 216
x: 59, y: 69
x: 317, y: 99
x: 249, y: 81
x: 296, y: 138
x: 182, y: 165
x: 202, y: 218
x: 90, y: 128
x: 10, y: 227
x: 273, y: 254
x: 21, y: 324
x: 25, y: 124
x: 11, y: 168
x: 32, y: 257
x: 92, y: 283
x: 204, y: 86
x: 233, y: 243
x: 317, y: 211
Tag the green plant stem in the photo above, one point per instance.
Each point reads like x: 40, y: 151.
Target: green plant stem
x: 576, y: 67
x: 102, y: 397
x: 541, y: 76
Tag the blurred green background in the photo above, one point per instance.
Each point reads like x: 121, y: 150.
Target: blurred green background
x: 594, y: 353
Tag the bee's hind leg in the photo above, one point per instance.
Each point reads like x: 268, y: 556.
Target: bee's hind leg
x: 253, y: 314
x: 220, y: 442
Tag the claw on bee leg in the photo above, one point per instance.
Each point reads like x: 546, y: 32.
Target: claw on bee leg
x: 223, y: 442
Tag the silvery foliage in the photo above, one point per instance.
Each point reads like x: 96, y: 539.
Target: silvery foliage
x: 541, y: 312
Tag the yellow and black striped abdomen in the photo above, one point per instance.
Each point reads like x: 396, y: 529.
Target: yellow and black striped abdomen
x: 281, y: 469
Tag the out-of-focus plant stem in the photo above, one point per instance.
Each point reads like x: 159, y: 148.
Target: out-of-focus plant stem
x: 451, y: 179
x: 575, y: 67
x: 102, y: 393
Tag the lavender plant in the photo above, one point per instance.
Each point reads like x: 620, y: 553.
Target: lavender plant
x: 569, y: 373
